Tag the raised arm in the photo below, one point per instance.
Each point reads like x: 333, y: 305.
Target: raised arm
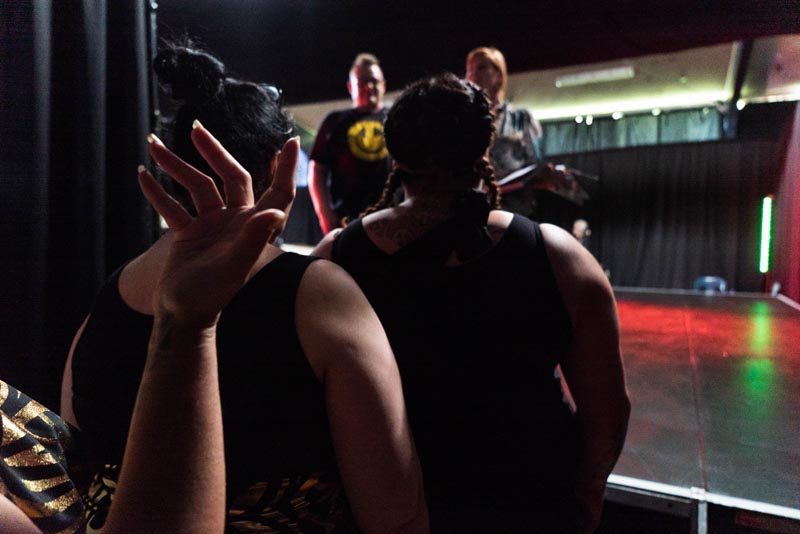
x: 592, y: 367
x: 348, y: 349
x: 173, y: 474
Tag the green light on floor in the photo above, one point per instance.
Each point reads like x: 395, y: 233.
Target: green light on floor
x: 761, y: 329
x: 759, y: 378
x: 766, y: 229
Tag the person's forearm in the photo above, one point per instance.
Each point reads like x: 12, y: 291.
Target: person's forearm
x: 173, y: 473
x: 602, y: 436
x: 320, y: 196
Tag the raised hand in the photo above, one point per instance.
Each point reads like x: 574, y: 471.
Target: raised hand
x: 211, y: 254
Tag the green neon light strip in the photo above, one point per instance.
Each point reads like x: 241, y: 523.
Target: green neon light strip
x: 766, y: 230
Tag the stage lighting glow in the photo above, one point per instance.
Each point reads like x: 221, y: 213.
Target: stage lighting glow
x: 642, y: 103
x: 766, y: 231
x: 589, y: 120
x: 759, y: 380
x: 596, y: 76
x: 579, y: 119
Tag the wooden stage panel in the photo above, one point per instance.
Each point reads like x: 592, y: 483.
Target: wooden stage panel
x: 715, y: 391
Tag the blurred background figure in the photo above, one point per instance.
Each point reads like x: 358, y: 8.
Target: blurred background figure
x: 349, y: 162
x: 581, y: 231
x: 516, y: 152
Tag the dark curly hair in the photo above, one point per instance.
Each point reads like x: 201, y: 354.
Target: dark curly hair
x: 443, y: 123
x: 246, y: 117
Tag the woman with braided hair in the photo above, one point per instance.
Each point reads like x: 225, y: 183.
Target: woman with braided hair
x: 481, y: 308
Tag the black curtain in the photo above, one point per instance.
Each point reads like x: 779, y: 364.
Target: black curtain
x: 76, y: 102
x: 664, y: 215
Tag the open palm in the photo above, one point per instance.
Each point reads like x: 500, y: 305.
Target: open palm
x: 212, y: 253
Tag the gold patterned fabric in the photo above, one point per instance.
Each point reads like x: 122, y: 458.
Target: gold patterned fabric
x: 308, y: 504
x: 33, y: 468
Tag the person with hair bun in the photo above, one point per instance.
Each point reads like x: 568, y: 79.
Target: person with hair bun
x: 482, y: 307
x: 179, y: 389
x: 315, y: 432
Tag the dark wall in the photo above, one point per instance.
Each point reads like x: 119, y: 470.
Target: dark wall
x: 306, y: 46
x: 664, y: 215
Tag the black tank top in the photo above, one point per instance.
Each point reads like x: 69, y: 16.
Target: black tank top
x: 476, y: 345
x: 276, y: 430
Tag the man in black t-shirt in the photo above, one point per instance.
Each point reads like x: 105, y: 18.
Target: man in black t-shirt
x: 349, y: 162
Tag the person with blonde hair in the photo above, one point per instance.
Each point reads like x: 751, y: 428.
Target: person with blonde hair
x: 517, y: 133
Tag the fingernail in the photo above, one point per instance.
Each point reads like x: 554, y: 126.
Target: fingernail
x: 152, y: 138
x: 195, y: 124
x: 141, y: 169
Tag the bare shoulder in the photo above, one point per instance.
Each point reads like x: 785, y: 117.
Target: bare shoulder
x: 334, y: 319
x: 324, y: 280
x: 580, y: 278
x: 324, y: 248
x: 498, y: 223
x: 138, y: 279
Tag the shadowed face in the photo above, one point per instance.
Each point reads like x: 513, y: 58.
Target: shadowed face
x: 485, y: 75
x: 367, y: 87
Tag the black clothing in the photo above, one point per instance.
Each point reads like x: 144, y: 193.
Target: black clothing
x: 477, y: 345
x: 351, y: 144
x: 275, y: 423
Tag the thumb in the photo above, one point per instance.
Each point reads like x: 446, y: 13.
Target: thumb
x: 257, y: 232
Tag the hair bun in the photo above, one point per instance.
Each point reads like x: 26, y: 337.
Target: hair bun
x: 189, y: 74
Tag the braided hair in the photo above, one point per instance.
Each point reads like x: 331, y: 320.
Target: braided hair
x: 443, y: 123
x: 246, y: 117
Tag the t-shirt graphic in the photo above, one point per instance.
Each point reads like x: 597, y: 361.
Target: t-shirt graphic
x: 366, y: 141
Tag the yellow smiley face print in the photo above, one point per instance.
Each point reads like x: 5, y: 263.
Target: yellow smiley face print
x: 366, y: 142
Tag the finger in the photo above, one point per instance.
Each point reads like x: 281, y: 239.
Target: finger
x: 280, y: 194
x: 205, y: 195
x: 258, y: 231
x: 166, y: 206
x: 238, y: 182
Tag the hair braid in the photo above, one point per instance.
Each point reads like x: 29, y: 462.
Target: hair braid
x: 485, y: 171
x: 387, y: 196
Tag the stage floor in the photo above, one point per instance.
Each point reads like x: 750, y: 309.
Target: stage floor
x: 715, y: 389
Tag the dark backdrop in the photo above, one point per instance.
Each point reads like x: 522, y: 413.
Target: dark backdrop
x: 74, y: 112
x: 664, y: 215
x: 306, y: 46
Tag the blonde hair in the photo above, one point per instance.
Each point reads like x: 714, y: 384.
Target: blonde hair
x: 496, y: 58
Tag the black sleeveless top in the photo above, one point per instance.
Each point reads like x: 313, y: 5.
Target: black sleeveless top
x: 476, y: 345
x: 280, y: 467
